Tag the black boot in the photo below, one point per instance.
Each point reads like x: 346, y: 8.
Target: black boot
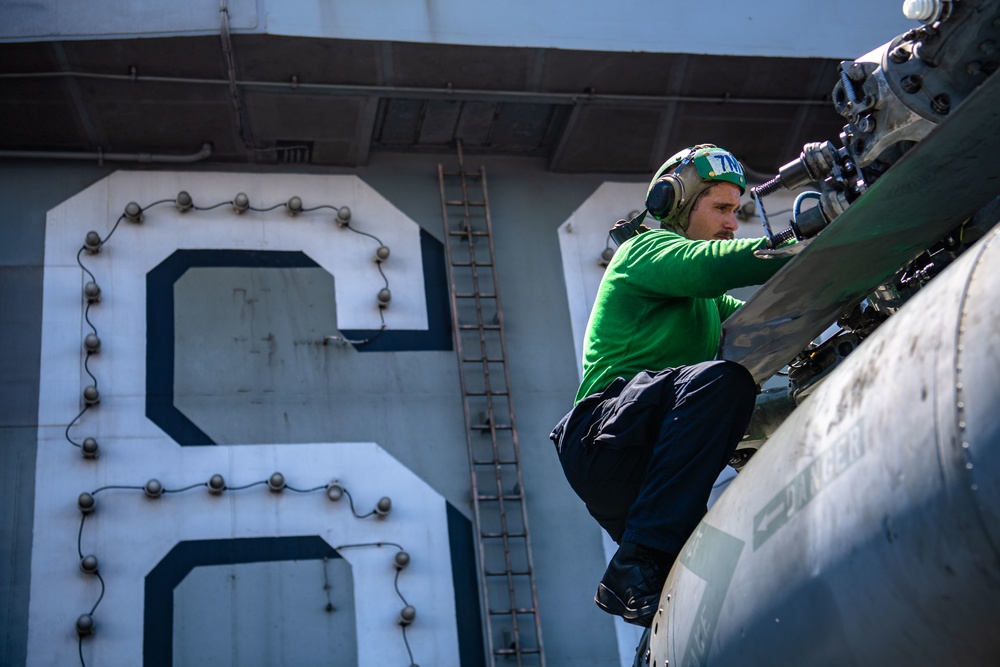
x: 632, y: 583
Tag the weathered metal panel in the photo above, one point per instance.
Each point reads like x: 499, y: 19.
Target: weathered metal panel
x: 865, y: 531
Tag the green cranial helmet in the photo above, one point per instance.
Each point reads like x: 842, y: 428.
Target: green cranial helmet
x: 684, y: 177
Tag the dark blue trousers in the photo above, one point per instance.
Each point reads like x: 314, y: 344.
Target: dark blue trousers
x: 644, y: 453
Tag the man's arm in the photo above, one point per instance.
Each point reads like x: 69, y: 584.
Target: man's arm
x: 727, y: 306
x: 668, y: 264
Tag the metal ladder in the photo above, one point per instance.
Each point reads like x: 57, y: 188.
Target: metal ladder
x: 506, y: 572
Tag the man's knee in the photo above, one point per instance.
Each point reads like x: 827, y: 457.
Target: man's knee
x: 726, y: 382
x: 727, y: 375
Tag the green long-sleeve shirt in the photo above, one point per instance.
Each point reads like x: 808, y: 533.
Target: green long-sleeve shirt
x: 662, y: 302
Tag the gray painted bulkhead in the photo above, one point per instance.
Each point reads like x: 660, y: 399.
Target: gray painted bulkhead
x: 528, y: 202
x: 31, y: 189
x: 527, y: 205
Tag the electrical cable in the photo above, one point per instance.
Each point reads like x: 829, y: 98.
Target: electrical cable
x: 71, y: 441
x: 326, y: 586
x: 350, y: 500
x: 90, y: 300
x: 213, y: 206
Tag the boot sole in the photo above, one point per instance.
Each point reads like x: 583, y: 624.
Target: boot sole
x: 607, y: 600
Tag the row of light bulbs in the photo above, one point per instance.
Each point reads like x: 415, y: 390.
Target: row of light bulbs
x: 216, y: 485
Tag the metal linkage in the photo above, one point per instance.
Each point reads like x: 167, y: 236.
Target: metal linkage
x: 506, y: 572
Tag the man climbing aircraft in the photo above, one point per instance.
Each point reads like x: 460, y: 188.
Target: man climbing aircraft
x: 656, y: 418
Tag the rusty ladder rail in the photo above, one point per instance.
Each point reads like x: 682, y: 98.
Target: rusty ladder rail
x: 506, y: 572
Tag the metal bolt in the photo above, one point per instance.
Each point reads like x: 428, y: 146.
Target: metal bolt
x: 911, y: 83
x: 941, y: 104
x: 899, y: 55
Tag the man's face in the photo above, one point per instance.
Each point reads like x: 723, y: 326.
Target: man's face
x: 713, y: 217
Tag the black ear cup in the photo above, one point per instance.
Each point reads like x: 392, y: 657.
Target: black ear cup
x: 663, y: 196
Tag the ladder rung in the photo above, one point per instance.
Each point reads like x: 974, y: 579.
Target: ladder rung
x: 508, y: 612
x: 467, y: 232
x: 502, y: 573
x: 512, y: 651
x: 497, y: 473
x: 494, y: 536
x: 463, y: 174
